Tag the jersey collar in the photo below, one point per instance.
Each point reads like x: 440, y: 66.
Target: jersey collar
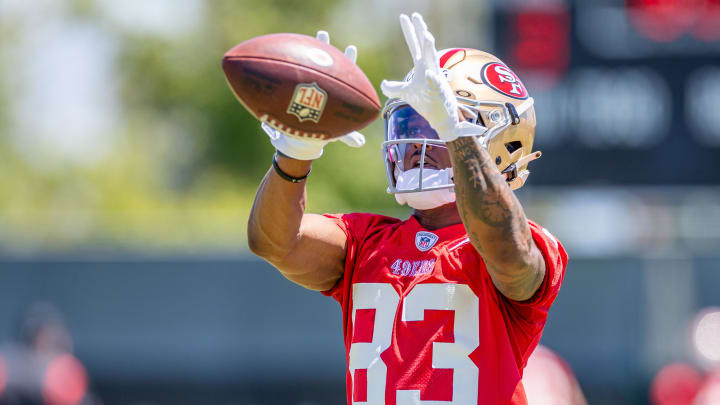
x: 447, y: 233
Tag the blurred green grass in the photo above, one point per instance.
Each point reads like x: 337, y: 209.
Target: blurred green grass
x: 188, y: 158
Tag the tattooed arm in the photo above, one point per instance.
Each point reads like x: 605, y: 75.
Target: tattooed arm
x: 495, y: 221
x: 488, y: 208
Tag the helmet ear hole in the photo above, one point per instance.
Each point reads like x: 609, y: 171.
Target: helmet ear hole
x: 513, y: 146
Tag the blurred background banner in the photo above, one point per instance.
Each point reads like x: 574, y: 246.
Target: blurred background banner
x: 626, y: 90
x: 127, y: 172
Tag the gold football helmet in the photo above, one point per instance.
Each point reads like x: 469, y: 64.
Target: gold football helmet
x: 491, y: 95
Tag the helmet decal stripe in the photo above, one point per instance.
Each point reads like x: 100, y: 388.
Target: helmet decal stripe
x: 447, y: 55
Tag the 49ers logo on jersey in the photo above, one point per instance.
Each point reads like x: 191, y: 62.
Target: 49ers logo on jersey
x: 308, y: 102
x: 503, y: 80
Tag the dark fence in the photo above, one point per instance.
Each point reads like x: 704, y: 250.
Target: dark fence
x: 234, y: 331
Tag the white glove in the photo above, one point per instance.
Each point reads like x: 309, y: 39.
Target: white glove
x: 305, y: 148
x: 427, y: 90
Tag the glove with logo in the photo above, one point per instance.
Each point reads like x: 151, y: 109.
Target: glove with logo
x: 426, y: 89
x: 305, y: 148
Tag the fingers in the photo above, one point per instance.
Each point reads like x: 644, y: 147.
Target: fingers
x: 433, y: 80
x: 426, y: 41
x: 437, y: 83
x: 351, y: 53
x: 410, y: 37
x: 273, y: 133
x: 323, y: 36
x: 353, y: 139
x: 419, y: 24
x: 429, y: 52
x: 392, y: 89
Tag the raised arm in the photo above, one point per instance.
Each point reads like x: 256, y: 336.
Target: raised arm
x: 495, y: 221
x: 489, y: 210
x: 282, y: 233
x: 307, y: 249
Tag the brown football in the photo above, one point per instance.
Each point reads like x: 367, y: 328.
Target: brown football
x: 300, y: 85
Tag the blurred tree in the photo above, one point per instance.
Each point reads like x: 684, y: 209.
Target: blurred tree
x: 181, y: 77
x: 188, y: 157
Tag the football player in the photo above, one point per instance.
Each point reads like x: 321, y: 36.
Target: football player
x: 444, y: 307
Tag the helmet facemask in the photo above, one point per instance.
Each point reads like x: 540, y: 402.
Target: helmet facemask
x: 406, y: 133
x: 405, y: 128
x: 491, y: 96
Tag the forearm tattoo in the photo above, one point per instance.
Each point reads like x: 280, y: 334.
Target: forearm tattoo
x: 495, y: 220
x: 480, y: 188
x: 492, y: 215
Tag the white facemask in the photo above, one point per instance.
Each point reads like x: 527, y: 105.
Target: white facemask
x: 424, y: 200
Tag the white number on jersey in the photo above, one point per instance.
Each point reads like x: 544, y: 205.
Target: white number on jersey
x: 367, y: 355
x: 384, y: 300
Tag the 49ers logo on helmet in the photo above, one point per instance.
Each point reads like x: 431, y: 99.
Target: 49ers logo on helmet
x: 501, y: 79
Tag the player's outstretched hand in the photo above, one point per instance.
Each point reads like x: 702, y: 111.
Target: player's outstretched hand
x: 426, y: 89
x: 309, y: 149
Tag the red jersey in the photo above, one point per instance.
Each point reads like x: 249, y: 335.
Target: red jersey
x: 423, y: 322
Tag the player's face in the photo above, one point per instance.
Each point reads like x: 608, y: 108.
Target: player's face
x: 436, y: 156
x: 405, y: 123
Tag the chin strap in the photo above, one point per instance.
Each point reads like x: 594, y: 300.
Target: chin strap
x: 427, y: 199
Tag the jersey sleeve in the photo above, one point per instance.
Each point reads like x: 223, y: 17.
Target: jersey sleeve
x: 555, y: 262
x: 356, y: 227
x: 530, y: 315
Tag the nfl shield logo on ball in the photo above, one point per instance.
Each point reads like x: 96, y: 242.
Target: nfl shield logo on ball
x: 424, y: 241
x: 308, y: 102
